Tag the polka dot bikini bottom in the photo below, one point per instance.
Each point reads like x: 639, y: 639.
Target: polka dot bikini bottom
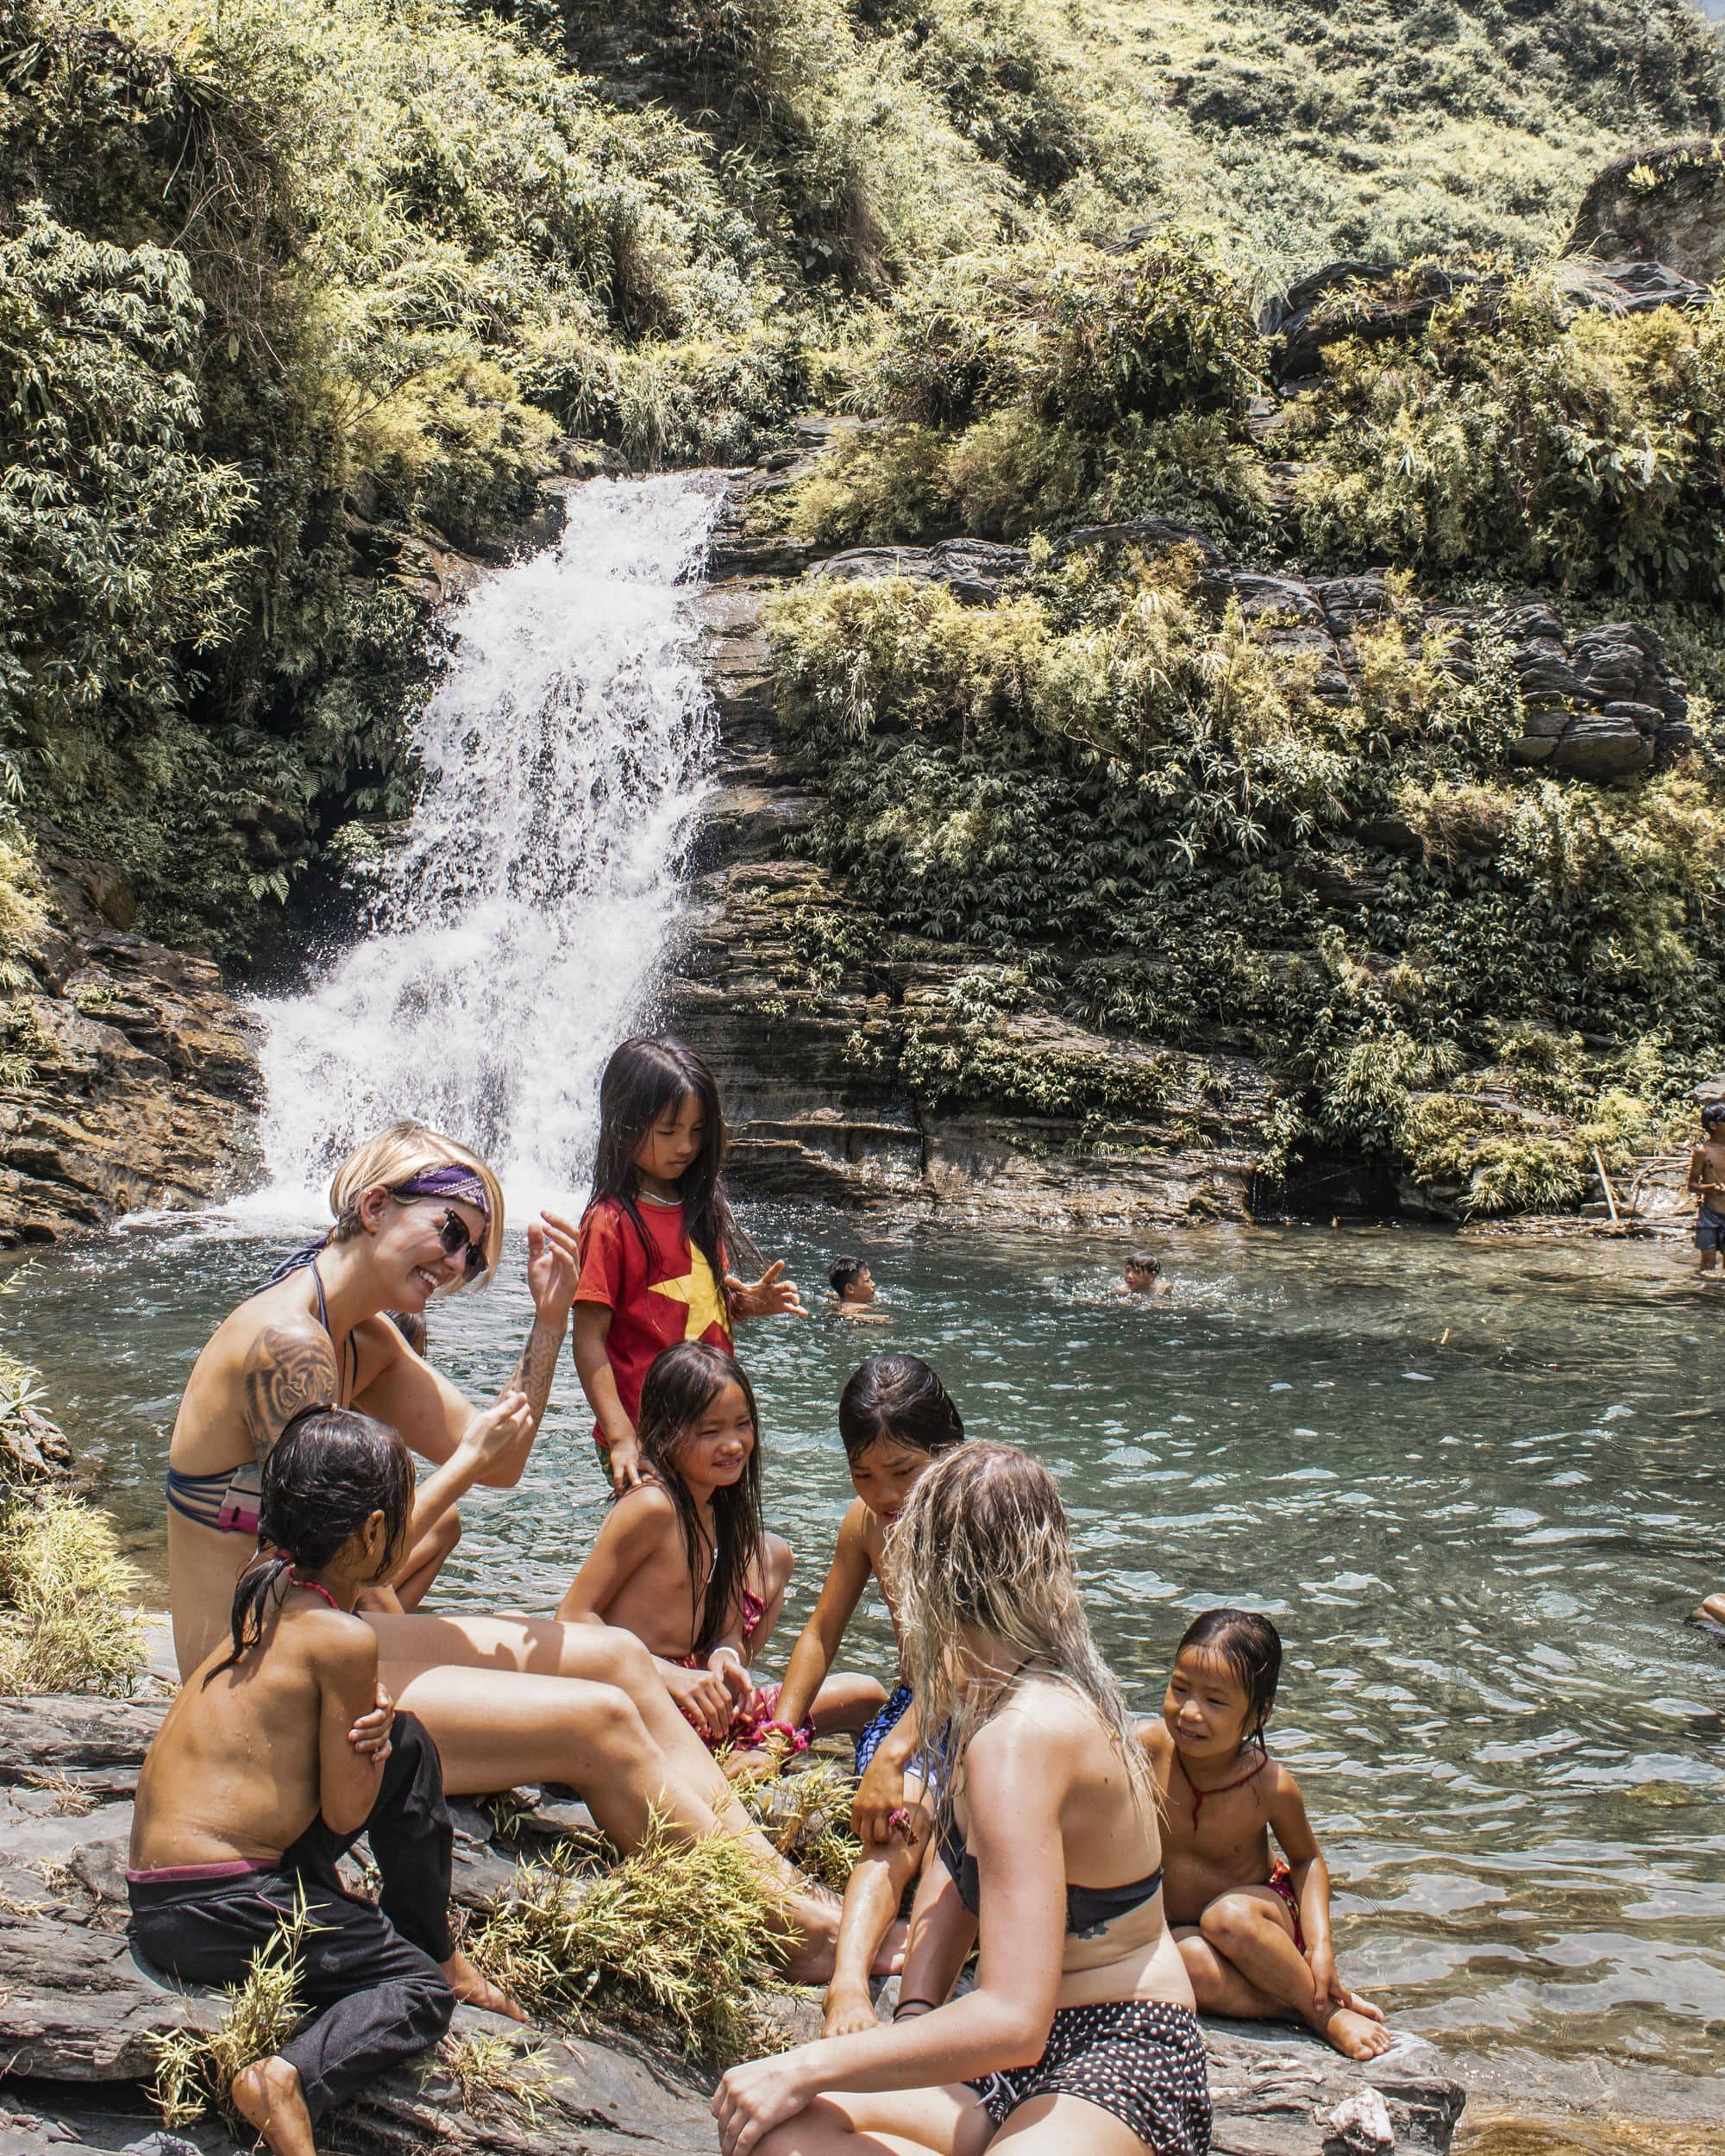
x: 1141, y: 2060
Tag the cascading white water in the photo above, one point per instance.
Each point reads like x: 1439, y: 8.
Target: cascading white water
x: 566, y: 751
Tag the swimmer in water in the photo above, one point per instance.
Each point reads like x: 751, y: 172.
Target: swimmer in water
x: 1254, y: 1933
x: 853, y: 1283
x: 1144, y: 1278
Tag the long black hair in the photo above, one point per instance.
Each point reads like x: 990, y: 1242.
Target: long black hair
x: 327, y: 1473
x: 899, y: 1397
x: 679, y: 1388
x: 1251, y: 1648
x: 648, y: 1077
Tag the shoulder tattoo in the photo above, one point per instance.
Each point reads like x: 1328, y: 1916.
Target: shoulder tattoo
x: 284, y: 1371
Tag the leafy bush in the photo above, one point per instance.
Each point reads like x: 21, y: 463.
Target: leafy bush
x: 1577, y: 448
x: 1133, y: 804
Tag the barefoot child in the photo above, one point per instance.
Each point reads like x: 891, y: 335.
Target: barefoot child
x: 896, y: 1418
x: 260, y: 1780
x: 658, y: 1239
x: 1254, y: 1934
x: 683, y: 1562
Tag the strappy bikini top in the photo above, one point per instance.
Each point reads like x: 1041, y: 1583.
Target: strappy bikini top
x: 1087, y: 1908
x: 227, y: 1501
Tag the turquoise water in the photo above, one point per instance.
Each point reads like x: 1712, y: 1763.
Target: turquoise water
x: 1478, y: 1487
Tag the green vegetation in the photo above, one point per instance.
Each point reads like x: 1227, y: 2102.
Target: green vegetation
x: 683, y: 1929
x: 69, y: 1619
x: 1143, y: 806
x: 293, y: 287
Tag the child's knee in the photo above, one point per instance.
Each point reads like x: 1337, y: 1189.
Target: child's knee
x: 778, y: 1561
x: 450, y: 1530
x: 1230, y: 1919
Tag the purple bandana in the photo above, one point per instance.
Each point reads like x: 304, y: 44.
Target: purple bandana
x: 455, y: 1179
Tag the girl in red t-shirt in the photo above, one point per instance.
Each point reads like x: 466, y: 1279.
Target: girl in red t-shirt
x: 657, y: 1239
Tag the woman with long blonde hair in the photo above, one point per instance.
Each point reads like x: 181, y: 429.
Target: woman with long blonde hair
x: 507, y: 1700
x: 1080, y: 2036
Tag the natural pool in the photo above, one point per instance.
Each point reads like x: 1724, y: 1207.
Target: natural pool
x: 1478, y: 1487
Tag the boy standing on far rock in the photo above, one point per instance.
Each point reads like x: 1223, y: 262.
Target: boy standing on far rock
x: 1707, y: 1185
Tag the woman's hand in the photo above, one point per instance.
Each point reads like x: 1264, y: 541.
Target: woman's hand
x: 880, y: 1795
x: 702, y: 1699
x: 553, y: 1265
x: 753, y: 2099
x: 771, y: 1296
x: 370, y: 1736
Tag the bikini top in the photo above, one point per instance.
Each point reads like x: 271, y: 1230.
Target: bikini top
x: 1087, y: 1908
x: 227, y: 1501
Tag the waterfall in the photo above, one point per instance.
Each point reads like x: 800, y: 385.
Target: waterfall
x: 566, y: 750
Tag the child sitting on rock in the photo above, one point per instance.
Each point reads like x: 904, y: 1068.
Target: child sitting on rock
x: 1254, y: 1934
x: 683, y: 1562
x: 896, y: 1418
x: 274, y: 1758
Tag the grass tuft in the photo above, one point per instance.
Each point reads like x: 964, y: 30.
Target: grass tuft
x: 67, y: 1619
x: 194, y: 2070
x: 496, y: 2076
x: 805, y: 1815
x: 685, y: 1928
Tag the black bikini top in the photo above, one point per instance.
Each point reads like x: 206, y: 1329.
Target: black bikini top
x: 1087, y: 1908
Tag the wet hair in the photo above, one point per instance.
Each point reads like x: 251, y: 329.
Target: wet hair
x: 410, y: 1324
x: 649, y: 1077
x: 1251, y: 1648
x: 846, y: 1271
x: 983, y: 1542
x: 327, y: 1473
x: 1713, y: 1113
x: 682, y: 1385
x: 1143, y: 1262
x: 897, y: 1397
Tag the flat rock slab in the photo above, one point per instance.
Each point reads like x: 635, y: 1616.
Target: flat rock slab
x: 79, y: 2013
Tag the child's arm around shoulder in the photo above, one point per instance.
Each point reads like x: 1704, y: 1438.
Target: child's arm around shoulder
x: 635, y: 1528
x: 342, y: 1655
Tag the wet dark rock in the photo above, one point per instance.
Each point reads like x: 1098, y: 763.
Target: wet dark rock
x: 974, y: 570
x: 79, y: 2013
x: 1372, y: 301
x: 1631, y: 288
x: 144, y: 1083
x: 1663, y: 204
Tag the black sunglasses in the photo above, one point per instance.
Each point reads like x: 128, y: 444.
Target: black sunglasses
x: 452, y: 1233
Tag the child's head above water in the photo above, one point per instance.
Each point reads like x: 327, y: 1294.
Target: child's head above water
x: 852, y: 1280
x: 895, y: 1417
x: 700, y: 1436
x: 1223, y: 1686
x: 336, y: 1492
x: 1142, y: 1268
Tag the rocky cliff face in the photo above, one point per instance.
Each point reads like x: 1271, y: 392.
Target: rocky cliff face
x: 130, y: 1082
x: 856, y: 1066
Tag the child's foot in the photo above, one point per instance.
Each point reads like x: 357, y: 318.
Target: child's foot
x: 267, y: 2096
x: 847, y: 2013
x: 1356, y: 2029
x: 748, y: 1766
x: 473, y: 1988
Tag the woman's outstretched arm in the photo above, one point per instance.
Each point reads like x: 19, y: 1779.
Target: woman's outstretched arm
x: 429, y: 1412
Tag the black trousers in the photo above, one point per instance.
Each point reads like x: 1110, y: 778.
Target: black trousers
x: 369, y: 1976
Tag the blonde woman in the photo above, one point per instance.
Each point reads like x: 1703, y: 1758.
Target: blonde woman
x: 507, y: 1700
x: 1080, y: 2036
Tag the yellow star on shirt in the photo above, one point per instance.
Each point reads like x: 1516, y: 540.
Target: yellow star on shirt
x: 699, y: 1290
